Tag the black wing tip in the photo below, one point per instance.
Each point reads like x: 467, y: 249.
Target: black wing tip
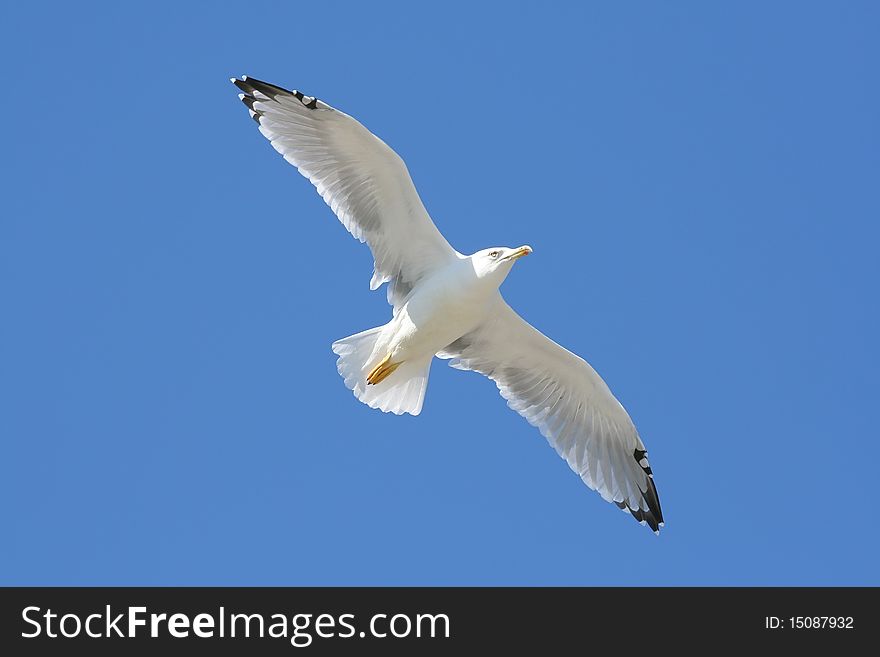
x: 653, y: 516
x: 249, y: 85
x: 249, y: 101
x: 309, y: 101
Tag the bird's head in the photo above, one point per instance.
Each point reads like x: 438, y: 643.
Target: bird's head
x: 494, y: 263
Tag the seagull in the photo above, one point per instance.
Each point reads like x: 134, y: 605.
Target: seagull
x: 448, y: 305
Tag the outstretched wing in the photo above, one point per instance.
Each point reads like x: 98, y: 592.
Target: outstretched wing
x: 364, y: 182
x: 558, y: 392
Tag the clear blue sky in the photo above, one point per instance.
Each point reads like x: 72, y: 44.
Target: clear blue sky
x: 700, y: 185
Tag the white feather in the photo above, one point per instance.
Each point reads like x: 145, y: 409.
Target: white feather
x: 560, y: 394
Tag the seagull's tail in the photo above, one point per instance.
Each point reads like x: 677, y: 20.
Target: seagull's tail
x: 400, y: 391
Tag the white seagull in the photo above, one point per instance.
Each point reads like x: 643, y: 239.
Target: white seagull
x: 447, y: 304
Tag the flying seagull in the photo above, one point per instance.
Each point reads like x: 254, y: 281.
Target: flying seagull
x: 447, y: 304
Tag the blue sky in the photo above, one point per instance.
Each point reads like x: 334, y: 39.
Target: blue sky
x: 698, y: 180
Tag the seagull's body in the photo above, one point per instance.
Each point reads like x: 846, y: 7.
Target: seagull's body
x: 448, y: 305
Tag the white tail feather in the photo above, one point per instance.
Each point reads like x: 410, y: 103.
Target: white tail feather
x: 404, y: 389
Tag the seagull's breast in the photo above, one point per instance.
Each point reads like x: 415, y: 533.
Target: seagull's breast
x: 442, y: 308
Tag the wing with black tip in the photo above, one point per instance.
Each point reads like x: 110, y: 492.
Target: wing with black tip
x: 364, y: 182
x: 560, y: 394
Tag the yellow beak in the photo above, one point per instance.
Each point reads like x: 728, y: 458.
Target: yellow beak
x: 520, y: 252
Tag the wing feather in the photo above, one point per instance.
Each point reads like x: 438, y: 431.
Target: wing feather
x: 560, y: 394
x: 365, y: 183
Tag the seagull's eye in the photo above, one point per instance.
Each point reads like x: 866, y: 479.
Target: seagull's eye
x: 494, y: 254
